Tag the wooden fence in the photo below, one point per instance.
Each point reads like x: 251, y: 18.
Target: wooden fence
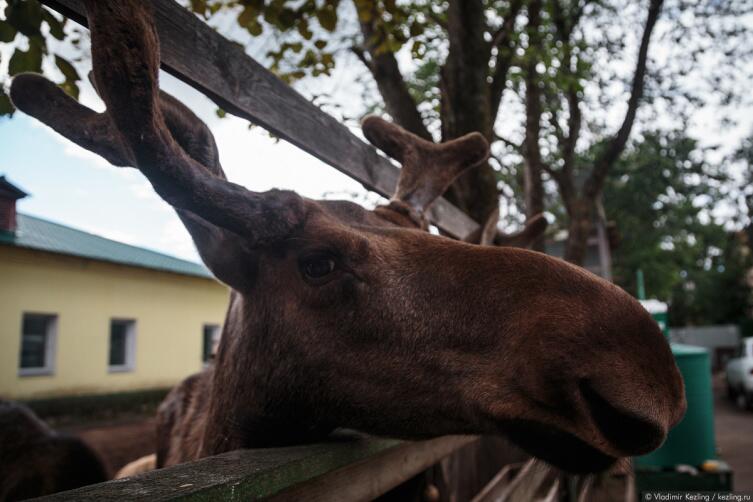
x: 220, y: 69
x: 353, y: 469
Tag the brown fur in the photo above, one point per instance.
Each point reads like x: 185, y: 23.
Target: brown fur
x: 36, y: 461
x: 345, y: 317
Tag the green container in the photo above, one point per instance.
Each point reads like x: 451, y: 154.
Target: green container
x: 650, y: 480
x: 692, y: 441
x: 658, y: 311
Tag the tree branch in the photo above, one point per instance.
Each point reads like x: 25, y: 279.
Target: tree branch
x: 502, y: 40
x: 465, y: 71
x: 573, y: 130
x: 616, y: 146
x: 509, y: 142
x: 534, y: 164
x: 361, y: 55
x: 392, y: 87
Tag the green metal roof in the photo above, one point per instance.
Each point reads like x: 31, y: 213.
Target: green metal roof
x: 43, y: 235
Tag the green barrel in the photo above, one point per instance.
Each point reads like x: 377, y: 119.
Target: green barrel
x: 692, y: 441
x: 658, y: 311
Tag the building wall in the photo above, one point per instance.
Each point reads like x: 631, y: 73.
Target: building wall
x: 170, y: 311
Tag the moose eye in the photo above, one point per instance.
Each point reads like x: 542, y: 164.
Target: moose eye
x: 318, y: 267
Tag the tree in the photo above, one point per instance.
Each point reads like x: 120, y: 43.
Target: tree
x: 448, y: 67
x: 661, y: 197
x: 566, y: 84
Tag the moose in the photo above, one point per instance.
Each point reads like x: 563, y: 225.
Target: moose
x: 35, y: 460
x: 341, y: 316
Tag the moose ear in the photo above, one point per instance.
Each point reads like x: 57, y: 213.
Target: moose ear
x: 224, y: 253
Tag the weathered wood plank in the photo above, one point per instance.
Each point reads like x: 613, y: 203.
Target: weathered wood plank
x: 497, y: 484
x: 521, y: 486
x: 204, y: 59
x: 320, y: 470
x: 376, y: 475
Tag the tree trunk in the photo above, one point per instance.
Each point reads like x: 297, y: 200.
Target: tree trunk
x: 579, y: 229
x: 465, y: 103
x: 533, y: 185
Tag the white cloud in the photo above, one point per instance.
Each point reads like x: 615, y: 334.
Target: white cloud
x: 175, y: 238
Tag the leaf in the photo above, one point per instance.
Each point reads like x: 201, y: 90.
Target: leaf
x: 25, y: 16
x: 56, y: 27
x: 67, y: 68
x: 23, y: 61
x: 303, y: 29
x: 6, y: 107
x: 327, y: 17
x: 199, y: 6
x: 320, y: 44
x: 220, y: 113
x: 7, y: 32
x: 416, y: 29
x: 71, y: 88
x: 255, y: 28
x: 247, y: 16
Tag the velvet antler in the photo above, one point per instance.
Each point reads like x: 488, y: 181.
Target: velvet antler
x: 534, y: 227
x: 428, y: 169
x: 489, y: 235
x: 134, y: 129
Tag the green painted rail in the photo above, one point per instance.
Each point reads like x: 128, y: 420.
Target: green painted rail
x: 348, y: 468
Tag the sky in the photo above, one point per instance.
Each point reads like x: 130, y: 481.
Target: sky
x: 73, y: 186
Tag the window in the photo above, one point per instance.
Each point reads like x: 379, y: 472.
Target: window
x: 38, y: 333
x: 122, y: 345
x: 209, y: 341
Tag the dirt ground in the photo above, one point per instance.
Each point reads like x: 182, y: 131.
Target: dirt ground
x: 120, y: 442
x: 734, y: 437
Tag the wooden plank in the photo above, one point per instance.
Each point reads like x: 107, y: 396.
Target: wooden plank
x: 220, y: 69
x: 523, y: 487
x: 373, y: 477
x: 377, y: 464
x: 497, y: 484
x: 553, y: 494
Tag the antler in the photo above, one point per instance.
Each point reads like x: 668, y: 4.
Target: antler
x: 428, y: 169
x: 134, y: 129
x: 489, y: 235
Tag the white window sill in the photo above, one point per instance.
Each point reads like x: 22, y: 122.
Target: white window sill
x: 35, y: 372
x: 119, y: 369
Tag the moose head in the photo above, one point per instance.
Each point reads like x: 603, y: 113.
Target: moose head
x: 343, y: 316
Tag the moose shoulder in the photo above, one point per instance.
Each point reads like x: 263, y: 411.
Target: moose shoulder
x: 346, y: 317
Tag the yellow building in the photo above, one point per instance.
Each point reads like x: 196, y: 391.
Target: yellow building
x: 81, y: 314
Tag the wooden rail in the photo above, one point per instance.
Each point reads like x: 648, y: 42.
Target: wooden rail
x: 220, y: 69
x: 353, y: 468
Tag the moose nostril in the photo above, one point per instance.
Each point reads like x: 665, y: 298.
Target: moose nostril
x: 630, y: 431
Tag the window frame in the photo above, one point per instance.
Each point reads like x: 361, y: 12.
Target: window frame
x: 130, y: 346
x: 216, y: 332
x: 50, y: 350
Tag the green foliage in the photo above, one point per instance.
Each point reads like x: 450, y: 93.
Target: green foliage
x: 660, y: 196
x: 302, y: 28
x: 26, y: 22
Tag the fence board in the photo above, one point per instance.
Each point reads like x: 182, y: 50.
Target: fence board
x: 220, y: 69
x: 328, y: 469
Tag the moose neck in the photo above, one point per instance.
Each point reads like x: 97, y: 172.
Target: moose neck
x: 250, y: 405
